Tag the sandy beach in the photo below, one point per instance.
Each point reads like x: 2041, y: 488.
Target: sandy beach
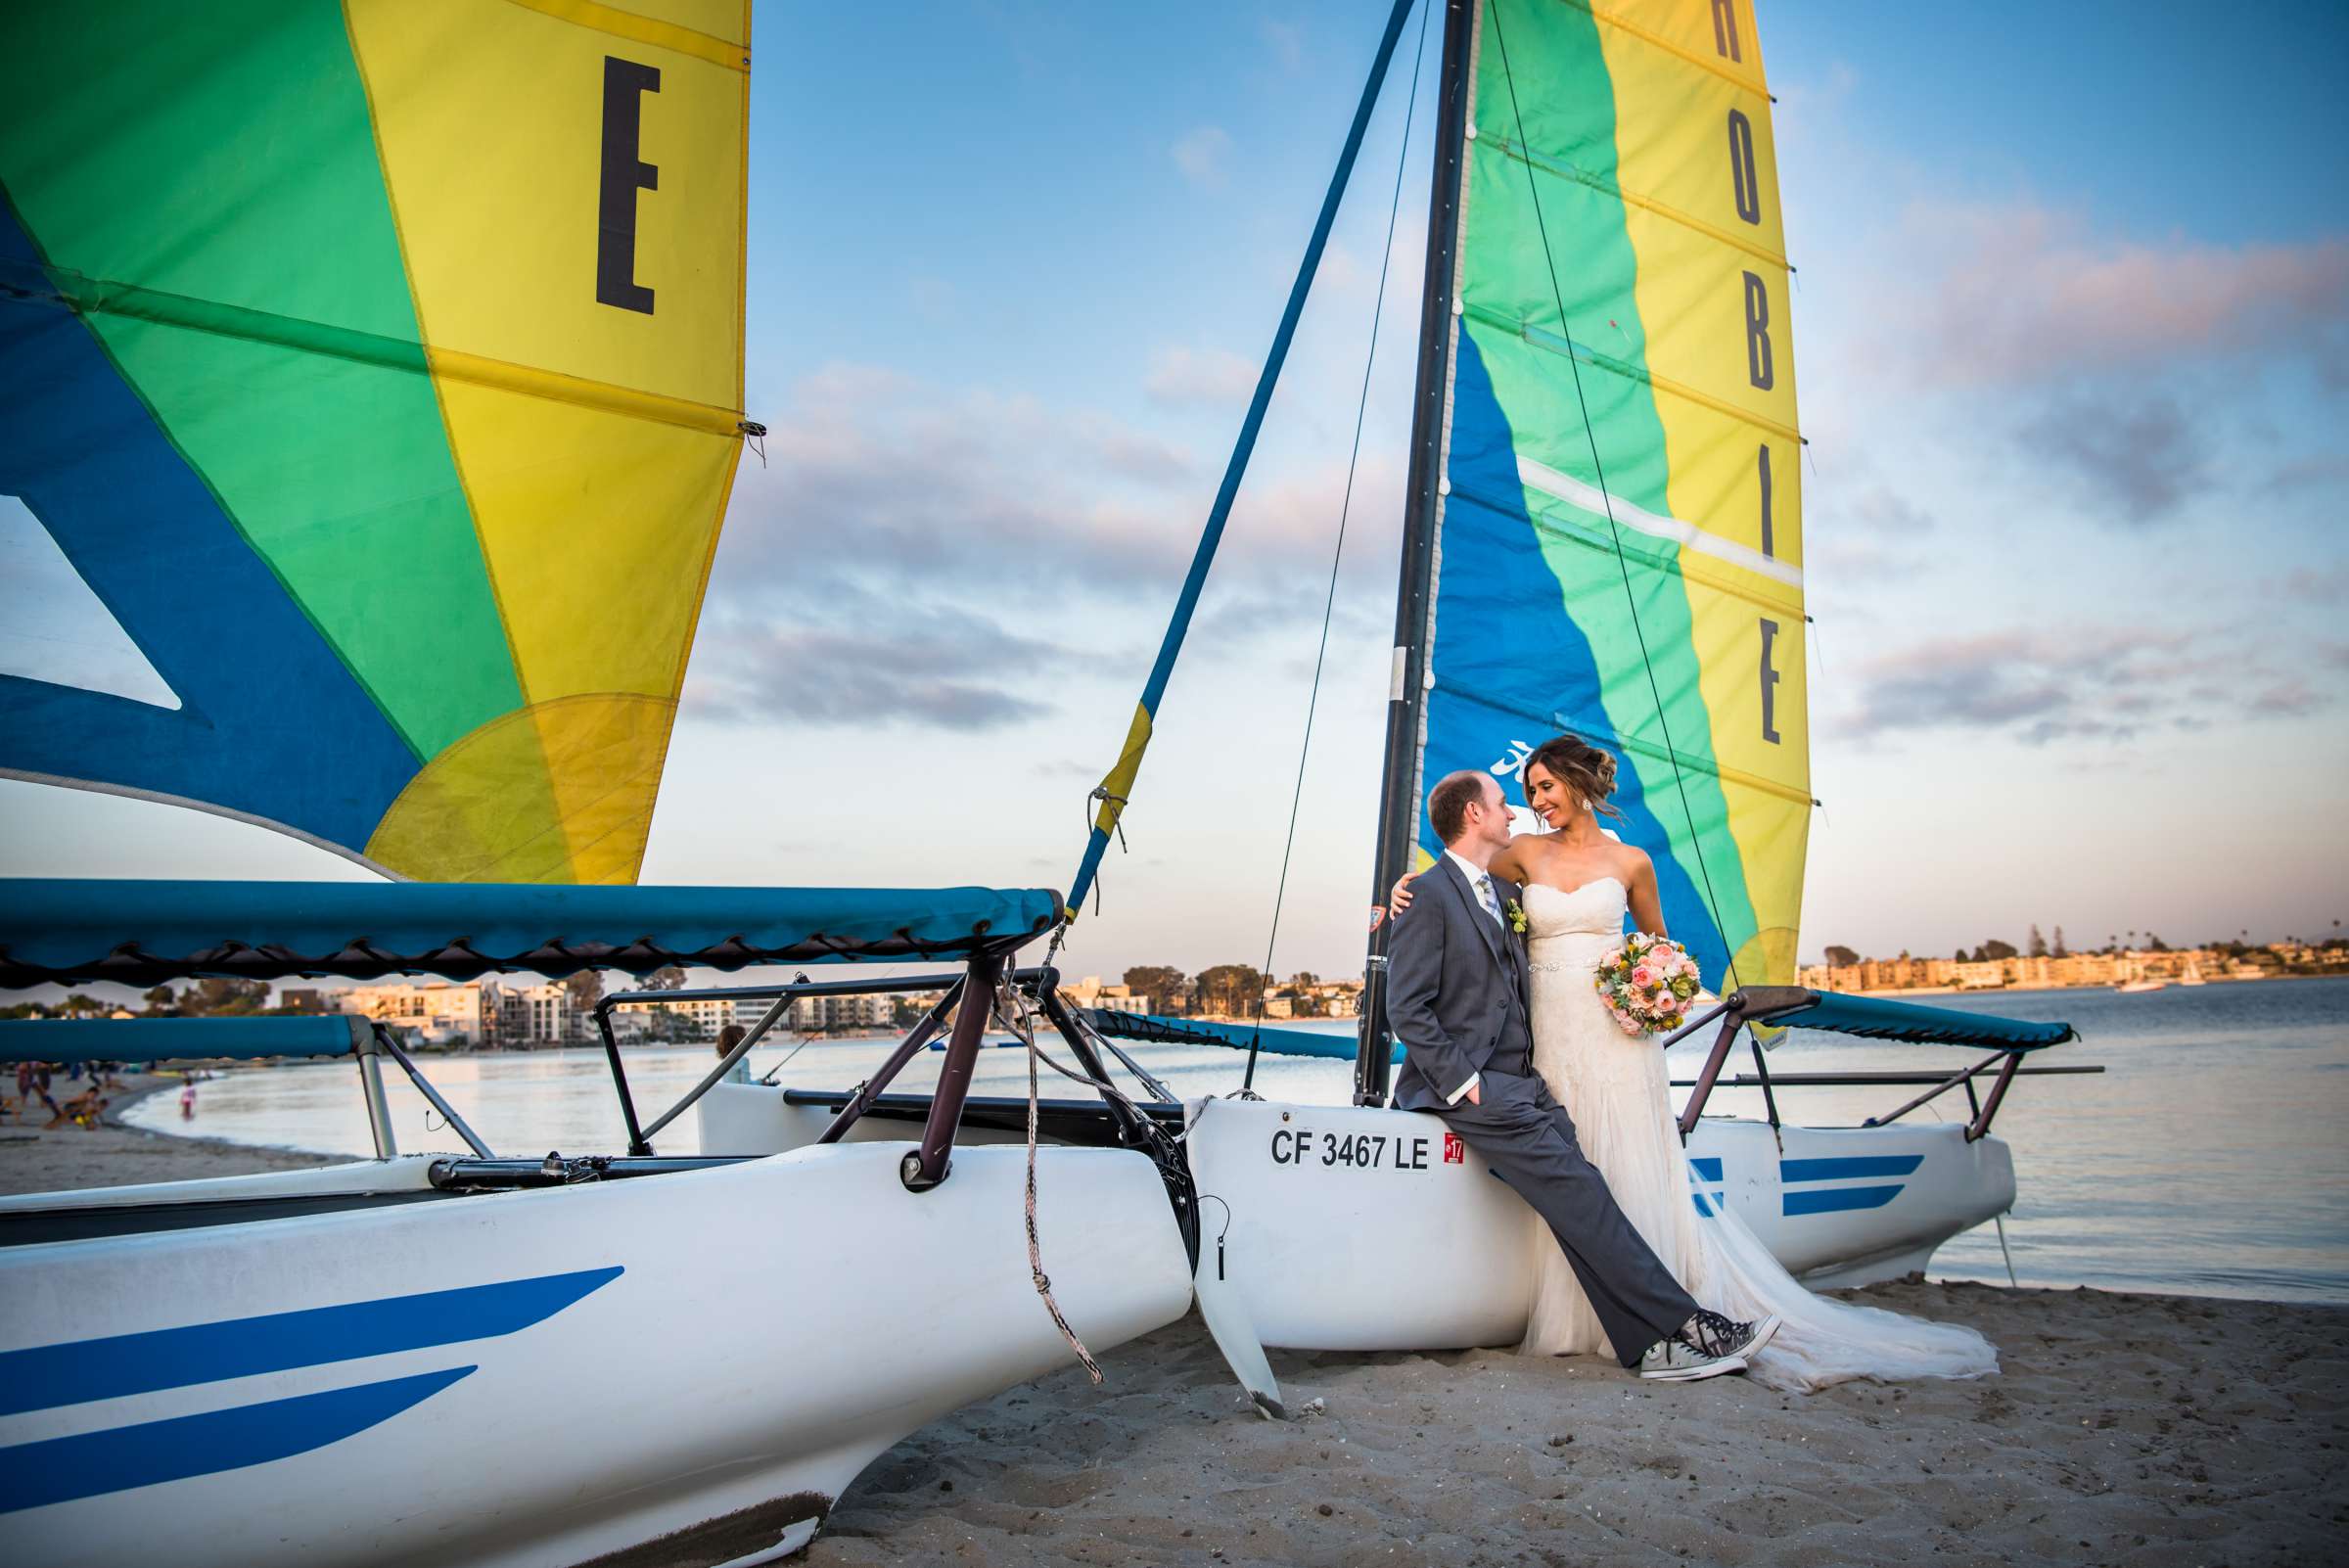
x: 2147, y: 1429
x: 112, y: 1155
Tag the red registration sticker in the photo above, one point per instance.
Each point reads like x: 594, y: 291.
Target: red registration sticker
x: 1454, y: 1151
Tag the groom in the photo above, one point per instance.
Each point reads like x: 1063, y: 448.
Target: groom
x: 1456, y: 996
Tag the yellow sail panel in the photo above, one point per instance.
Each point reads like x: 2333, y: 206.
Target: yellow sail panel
x: 567, y: 182
x: 1697, y: 163
x: 1714, y: 36
x: 567, y: 198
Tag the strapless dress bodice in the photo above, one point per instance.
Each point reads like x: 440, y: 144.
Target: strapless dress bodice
x: 1573, y: 930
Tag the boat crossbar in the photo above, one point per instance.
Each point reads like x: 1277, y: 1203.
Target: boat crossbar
x: 977, y: 985
x: 389, y: 1043
x: 240, y: 1039
x: 1763, y: 1004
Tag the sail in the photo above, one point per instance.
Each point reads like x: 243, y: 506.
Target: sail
x: 378, y: 365
x: 1618, y: 545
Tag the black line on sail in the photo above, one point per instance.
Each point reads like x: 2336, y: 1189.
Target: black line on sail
x: 1606, y: 496
x: 1410, y: 110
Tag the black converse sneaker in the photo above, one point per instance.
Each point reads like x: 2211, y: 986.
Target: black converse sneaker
x: 1707, y: 1346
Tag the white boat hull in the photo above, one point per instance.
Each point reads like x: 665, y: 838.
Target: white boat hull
x: 1289, y: 1191
x: 551, y: 1376
x: 1289, y: 1194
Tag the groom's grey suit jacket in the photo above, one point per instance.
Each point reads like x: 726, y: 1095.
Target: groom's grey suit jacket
x: 1456, y: 986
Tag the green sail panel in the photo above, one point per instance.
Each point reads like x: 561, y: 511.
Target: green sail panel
x: 163, y: 150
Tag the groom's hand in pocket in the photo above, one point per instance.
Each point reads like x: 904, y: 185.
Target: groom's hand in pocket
x: 1475, y: 1095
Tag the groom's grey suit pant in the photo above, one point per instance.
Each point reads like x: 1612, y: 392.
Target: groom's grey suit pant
x: 1529, y: 1140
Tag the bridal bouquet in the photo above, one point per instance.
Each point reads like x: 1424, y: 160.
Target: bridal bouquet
x: 1647, y: 983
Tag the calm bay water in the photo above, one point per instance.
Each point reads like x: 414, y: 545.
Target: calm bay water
x: 2208, y: 1158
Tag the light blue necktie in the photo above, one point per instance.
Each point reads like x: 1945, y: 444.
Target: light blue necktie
x: 1485, y: 897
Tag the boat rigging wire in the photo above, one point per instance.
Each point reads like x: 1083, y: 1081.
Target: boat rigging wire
x: 1338, y: 554
x: 1023, y: 1027
x: 1606, y: 497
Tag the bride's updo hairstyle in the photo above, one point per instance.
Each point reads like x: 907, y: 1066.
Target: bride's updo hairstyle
x: 1579, y: 766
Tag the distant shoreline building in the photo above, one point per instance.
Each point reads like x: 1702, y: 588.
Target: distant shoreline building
x: 2040, y: 972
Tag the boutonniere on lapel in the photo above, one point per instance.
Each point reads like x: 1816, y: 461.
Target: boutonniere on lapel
x: 1515, y: 913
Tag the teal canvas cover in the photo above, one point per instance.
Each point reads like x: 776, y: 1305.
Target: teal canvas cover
x: 145, y: 931
x: 1873, y: 1018
x: 179, y: 1040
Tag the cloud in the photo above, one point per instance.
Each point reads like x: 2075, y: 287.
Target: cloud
x: 2138, y: 463
x: 861, y: 663
x: 1212, y: 377
x: 875, y: 571
x: 2325, y: 472
x: 876, y: 476
x: 2022, y: 293
x: 1286, y: 40
x: 2328, y: 585
x: 2085, y: 684
x: 1200, y: 155
x: 2290, y: 698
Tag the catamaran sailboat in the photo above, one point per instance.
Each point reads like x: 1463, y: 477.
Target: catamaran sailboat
x: 373, y: 294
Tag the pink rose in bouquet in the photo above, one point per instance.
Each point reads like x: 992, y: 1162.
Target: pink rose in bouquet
x: 1647, y: 983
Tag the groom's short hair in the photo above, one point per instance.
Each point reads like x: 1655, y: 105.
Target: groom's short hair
x: 1448, y: 802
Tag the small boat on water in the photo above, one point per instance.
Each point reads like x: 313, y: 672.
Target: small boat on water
x: 2141, y: 985
x: 267, y: 401
x: 2192, y: 976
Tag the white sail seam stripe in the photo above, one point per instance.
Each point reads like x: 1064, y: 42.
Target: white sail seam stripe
x: 1587, y: 530
x: 1590, y: 498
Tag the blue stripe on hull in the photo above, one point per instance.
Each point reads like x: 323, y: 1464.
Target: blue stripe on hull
x: 81, y: 1370
x: 1832, y: 1200
x: 62, y: 1469
x: 1856, y: 1165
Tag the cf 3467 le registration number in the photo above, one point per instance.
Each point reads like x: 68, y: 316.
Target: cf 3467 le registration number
x: 1364, y: 1151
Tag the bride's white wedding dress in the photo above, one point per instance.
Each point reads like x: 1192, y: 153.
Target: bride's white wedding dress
x: 1617, y: 1090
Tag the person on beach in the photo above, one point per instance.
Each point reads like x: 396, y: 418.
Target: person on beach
x: 83, y: 1110
x: 32, y: 1085
x: 187, y: 1100
x: 1457, y: 996
x: 1579, y: 883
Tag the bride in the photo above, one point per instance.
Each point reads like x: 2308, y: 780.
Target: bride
x: 1579, y: 881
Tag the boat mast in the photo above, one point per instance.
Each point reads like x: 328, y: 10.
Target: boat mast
x: 1398, y: 789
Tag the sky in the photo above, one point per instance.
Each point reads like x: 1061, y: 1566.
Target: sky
x: 2072, y: 323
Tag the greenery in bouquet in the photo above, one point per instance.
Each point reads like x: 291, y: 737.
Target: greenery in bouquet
x: 1647, y: 983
